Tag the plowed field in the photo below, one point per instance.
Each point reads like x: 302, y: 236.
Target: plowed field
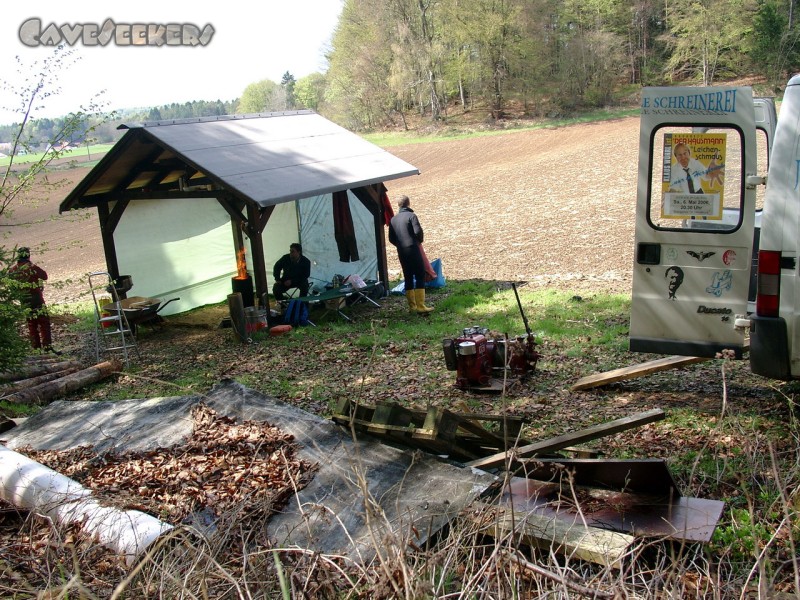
x: 554, y: 207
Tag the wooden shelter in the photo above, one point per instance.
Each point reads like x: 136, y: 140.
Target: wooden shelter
x: 248, y: 165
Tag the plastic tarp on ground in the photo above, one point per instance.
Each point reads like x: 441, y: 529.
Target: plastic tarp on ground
x: 184, y: 248
x: 407, y: 493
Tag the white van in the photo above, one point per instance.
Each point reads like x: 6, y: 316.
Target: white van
x: 703, y: 157
x: 774, y: 328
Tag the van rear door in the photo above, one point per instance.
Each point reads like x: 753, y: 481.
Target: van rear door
x: 694, y: 220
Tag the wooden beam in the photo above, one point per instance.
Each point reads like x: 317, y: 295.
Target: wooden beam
x: 135, y: 171
x: 640, y: 370
x: 233, y: 209
x: 577, y: 540
x: 254, y: 232
x: 264, y: 213
x: 569, y: 439
x: 109, y: 245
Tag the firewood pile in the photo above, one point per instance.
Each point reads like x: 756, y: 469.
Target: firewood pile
x: 44, y: 378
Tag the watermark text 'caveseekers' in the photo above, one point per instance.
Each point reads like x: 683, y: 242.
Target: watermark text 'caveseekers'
x: 32, y: 34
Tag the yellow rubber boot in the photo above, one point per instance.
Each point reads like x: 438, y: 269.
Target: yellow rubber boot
x: 420, y: 297
x: 412, y: 300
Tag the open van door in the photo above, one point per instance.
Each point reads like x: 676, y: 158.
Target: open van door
x: 695, y: 212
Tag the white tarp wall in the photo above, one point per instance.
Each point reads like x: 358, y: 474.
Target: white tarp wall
x: 183, y: 248
x: 319, y: 242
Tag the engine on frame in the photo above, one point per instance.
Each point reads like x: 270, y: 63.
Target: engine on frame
x: 476, y: 357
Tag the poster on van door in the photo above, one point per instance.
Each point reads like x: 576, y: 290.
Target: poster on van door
x: 694, y: 175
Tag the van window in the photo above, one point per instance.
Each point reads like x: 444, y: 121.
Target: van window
x: 696, y: 179
x: 762, y: 147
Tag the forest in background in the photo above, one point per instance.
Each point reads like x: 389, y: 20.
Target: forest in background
x: 394, y: 62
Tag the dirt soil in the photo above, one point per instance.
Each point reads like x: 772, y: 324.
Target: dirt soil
x: 545, y: 206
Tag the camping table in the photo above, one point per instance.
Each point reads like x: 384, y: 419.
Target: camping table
x: 337, y: 294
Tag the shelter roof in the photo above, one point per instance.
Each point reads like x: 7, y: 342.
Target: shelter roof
x: 266, y: 158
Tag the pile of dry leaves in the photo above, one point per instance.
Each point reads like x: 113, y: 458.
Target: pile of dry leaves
x: 225, y: 470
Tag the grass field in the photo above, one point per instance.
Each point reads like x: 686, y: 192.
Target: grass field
x: 82, y: 154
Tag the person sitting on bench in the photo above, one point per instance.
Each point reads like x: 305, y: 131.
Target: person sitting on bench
x: 291, y: 271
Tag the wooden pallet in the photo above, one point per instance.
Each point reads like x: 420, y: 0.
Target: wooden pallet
x: 459, y: 435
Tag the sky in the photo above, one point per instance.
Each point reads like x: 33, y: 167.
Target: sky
x: 247, y: 45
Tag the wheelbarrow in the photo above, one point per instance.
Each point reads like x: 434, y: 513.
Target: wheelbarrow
x: 139, y: 310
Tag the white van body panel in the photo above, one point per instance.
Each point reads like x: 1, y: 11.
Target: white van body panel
x: 780, y: 224
x: 696, y: 318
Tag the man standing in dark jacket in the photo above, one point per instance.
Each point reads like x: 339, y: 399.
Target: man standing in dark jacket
x: 405, y: 233
x: 31, y: 277
x: 291, y: 271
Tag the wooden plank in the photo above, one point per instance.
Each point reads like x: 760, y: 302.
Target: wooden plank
x: 570, y: 439
x: 392, y: 415
x: 577, y: 540
x: 444, y: 425
x: 640, y: 370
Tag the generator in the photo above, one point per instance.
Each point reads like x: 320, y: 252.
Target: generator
x: 483, y: 360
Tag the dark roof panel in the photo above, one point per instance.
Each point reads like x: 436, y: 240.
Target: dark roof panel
x: 268, y: 159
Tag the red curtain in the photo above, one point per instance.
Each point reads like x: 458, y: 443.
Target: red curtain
x: 343, y: 229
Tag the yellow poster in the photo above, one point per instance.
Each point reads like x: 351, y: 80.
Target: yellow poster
x: 694, y: 175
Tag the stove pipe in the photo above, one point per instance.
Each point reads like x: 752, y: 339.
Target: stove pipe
x: 245, y: 288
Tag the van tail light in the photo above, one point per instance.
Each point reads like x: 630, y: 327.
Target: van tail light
x: 769, y: 283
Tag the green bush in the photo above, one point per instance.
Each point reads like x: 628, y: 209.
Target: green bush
x: 13, y: 347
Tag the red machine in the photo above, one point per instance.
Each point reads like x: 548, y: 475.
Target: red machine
x: 476, y: 357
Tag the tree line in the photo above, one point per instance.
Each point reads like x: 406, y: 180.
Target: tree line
x: 102, y: 128
x: 393, y: 57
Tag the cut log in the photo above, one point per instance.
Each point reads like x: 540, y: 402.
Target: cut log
x: 23, y: 384
x: 238, y: 322
x: 573, y: 539
x: 40, y: 368
x: 569, y: 439
x: 64, y: 385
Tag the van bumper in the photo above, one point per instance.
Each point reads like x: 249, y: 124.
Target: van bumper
x: 769, y: 348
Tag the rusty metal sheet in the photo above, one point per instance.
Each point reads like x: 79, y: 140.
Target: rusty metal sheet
x: 635, y: 497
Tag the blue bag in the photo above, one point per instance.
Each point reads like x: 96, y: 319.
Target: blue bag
x: 439, y: 282
x: 296, y: 313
